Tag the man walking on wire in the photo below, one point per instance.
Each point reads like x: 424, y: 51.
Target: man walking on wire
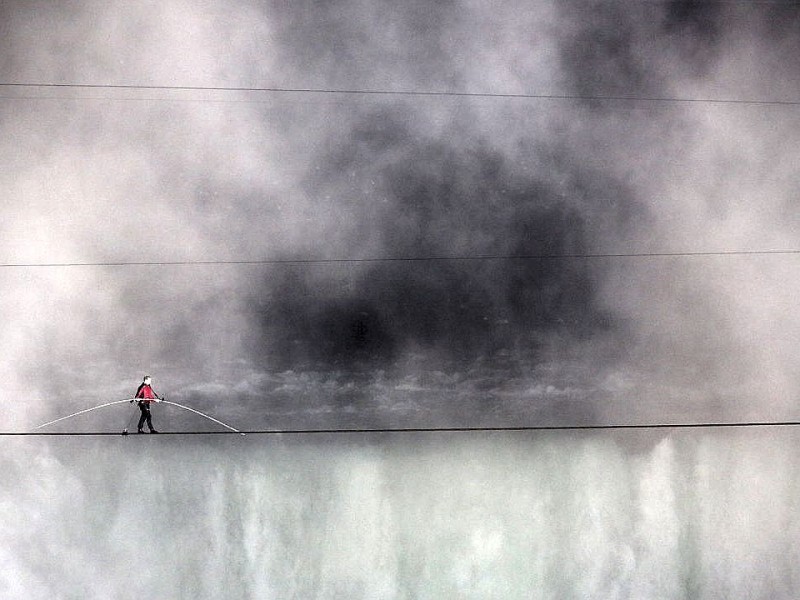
x: 145, y: 395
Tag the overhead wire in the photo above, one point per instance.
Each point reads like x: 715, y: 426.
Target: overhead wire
x: 390, y: 259
x: 395, y: 93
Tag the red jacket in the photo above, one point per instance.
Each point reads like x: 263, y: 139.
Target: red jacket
x: 146, y: 393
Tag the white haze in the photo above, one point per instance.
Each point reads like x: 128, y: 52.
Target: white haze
x: 107, y: 175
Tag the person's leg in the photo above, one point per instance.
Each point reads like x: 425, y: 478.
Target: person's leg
x: 142, y: 417
x: 150, y: 421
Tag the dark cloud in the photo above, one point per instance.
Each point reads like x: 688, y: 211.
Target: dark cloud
x: 637, y: 49
x: 602, y: 52
x: 783, y: 21
x: 438, y: 200
x: 695, y: 29
x: 694, y: 19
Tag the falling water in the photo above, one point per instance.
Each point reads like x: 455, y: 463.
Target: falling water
x: 687, y: 515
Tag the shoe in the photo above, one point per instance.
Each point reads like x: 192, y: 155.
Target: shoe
x: 153, y: 431
x: 140, y: 431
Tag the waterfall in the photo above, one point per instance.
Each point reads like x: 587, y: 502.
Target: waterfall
x: 513, y: 515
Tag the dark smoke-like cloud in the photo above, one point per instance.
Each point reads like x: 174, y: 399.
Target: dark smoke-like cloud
x: 436, y: 199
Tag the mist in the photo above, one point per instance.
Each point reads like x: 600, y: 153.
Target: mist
x: 106, y: 175
x: 390, y: 295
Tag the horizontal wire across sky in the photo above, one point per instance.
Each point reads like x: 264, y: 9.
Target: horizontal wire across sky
x: 385, y: 92
x: 479, y: 257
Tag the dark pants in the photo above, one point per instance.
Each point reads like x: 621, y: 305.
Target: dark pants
x: 146, y: 416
